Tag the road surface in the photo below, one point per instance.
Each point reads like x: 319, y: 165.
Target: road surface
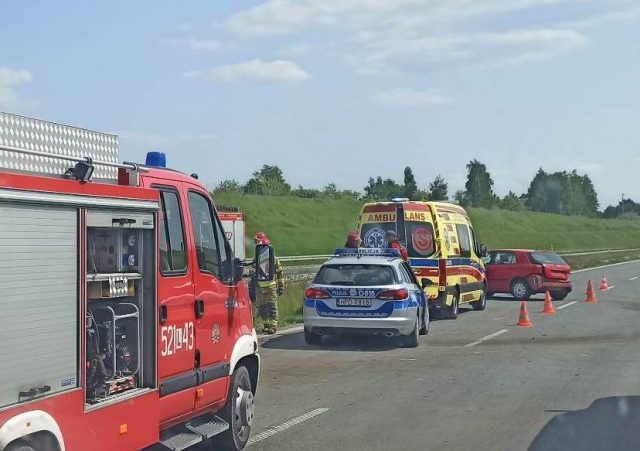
x: 571, y: 382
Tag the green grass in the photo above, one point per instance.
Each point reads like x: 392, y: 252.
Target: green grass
x: 296, y: 226
x: 499, y: 228
x: 317, y: 226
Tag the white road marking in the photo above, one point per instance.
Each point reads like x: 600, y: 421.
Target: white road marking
x: 407, y: 360
x: 604, y: 266
x: 567, y: 305
x: 611, y: 286
x: 286, y: 425
x: 488, y: 337
x: 633, y: 278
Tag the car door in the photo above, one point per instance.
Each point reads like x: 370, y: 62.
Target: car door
x: 500, y: 271
x: 211, y: 260
x: 176, y: 329
x: 416, y: 293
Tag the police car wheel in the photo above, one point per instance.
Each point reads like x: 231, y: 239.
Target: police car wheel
x: 424, y: 330
x: 311, y: 338
x: 411, y: 340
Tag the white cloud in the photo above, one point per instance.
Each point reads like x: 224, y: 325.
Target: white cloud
x: 392, y: 35
x: 256, y: 70
x: 412, y: 98
x: 185, y: 27
x: 9, y: 80
x: 206, y: 45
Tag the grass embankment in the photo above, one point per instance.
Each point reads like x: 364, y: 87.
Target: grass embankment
x: 317, y: 226
x: 296, y: 226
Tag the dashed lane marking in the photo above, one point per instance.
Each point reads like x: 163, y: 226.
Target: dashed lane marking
x: 567, y: 305
x: 633, y: 278
x: 488, y: 337
x: 611, y: 286
x: 286, y: 425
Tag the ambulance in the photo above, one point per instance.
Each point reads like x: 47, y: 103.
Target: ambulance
x: 442, y: 248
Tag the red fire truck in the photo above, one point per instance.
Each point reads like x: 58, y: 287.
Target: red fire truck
x: 124, y: 322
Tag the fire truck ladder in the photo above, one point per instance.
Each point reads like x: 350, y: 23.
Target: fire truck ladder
x: 37, y: 146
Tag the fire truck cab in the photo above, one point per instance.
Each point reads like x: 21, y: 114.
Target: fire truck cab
x: 124, y: 320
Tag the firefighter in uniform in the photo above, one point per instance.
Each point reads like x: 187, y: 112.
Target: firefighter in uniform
x: 267, y: 292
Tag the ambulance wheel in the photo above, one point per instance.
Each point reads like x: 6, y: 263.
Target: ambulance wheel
x: 481, y: 303
x: 411, y: 340
x: 311, y: 338
x: 238, y: 412
x: 451, y: 312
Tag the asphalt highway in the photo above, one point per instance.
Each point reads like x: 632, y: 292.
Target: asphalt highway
x: 571, y: 382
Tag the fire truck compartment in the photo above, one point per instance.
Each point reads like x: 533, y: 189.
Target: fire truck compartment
x: 120, y: 274
x: 39, y: 301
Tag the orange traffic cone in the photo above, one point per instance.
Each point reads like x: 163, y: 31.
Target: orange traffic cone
x: 604, y: 286
x: 548, y: 306
x: 524, y: 320
x: 591, y: 295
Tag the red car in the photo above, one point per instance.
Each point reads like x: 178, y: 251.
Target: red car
x: 523, y: 273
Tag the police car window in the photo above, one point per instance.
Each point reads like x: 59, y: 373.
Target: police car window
x: 420, y: 243
x: 406, y: 278
x: 209, y: 239
x: 463, y: 239
x: 356, y: 275
x: 173, y: 254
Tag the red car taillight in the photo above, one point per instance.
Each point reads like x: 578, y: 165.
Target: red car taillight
x: 316, y: 293
x: 394, y: 295
x: 442, y: 270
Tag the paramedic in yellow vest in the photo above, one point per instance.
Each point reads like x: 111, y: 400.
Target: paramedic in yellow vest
x: 267, y: 292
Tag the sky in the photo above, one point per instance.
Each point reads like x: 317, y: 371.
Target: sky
x: 341, y: 90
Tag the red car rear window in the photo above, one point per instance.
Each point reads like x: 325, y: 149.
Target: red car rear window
x: 547, y: 257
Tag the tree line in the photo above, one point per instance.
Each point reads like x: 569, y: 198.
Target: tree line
x: 561, y: 192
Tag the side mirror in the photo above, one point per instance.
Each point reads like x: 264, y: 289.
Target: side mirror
x: 265, y: 263
x: 425, y: 283
x: 482, y: 250
x: 238, y: 270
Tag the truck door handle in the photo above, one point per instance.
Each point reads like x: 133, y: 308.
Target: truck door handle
x: 199, y: 308
x: 163, y: 314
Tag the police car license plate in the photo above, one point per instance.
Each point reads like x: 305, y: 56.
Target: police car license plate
x: 350, y: 302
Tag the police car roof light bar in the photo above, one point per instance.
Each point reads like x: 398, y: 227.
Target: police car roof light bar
x: 363, y: 251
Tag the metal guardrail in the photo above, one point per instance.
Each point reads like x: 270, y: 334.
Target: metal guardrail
x: 306, y: 272
x: 603, y: 251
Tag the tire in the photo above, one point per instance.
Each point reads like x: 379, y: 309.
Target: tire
x: 520, y: 290
x: 481, y: 304
x: 424, y: 330
x: 559, y: 295
x: 19, y: 446
x: 452, y: 312
x: 311, y: 338
x: 411, y: 340
x: 236, y: 437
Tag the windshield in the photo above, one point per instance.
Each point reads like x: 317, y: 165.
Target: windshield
x: 356, y: 275
x: 547, y: 257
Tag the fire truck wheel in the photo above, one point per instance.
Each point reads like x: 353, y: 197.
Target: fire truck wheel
x: 19, y: 446
x: 238, y: 412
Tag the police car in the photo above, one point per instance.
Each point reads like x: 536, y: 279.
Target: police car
x: 370, y: 291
